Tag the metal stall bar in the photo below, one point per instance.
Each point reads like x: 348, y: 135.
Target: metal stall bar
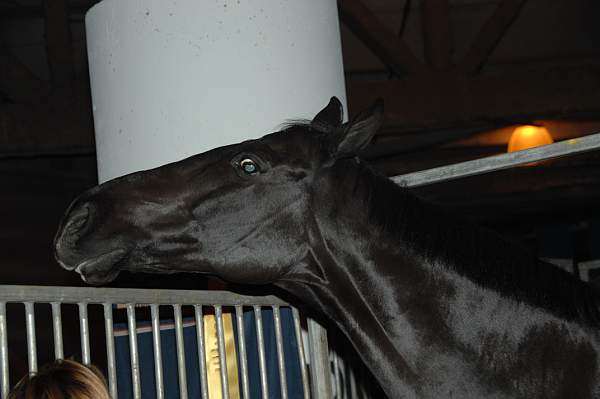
x: 158, y: 374
x: 343, y: 375
x: 301, y: 355
x: 31, y: 341
x: 4, y: 380
x: 352, y: 378
x: 133, y: 349
x: 499, y: 162
x: 201, y: 350
x: 100, y: 295
x: 181, y: 370
x: 336, y: 374
x: 344, y: 383
x: 363, y: 389
x: 85, y: 333
x: 319, y: 360
x: 239, y: 313
x: 57, y: 329
x: 262, y: 362
x: 352, y: 361
x: 222, y: 353
x: 280, y: 354
x: 110, y: 350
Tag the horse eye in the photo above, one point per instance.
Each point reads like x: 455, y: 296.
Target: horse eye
x: 249, y: 166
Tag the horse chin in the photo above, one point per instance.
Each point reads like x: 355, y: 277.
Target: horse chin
x: 100, y: 279
x: 103, y: 268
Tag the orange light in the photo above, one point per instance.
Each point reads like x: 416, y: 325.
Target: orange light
x: 529, y: 136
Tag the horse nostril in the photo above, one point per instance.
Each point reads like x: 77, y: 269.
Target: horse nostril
x: 77, y: 220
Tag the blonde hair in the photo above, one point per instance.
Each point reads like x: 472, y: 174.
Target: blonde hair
x: 62, y: 379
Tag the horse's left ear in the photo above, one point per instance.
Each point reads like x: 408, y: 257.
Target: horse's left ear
x: 358, y: 133
x: 329, y: 117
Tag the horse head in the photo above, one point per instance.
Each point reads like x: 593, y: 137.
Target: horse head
x: 239, y: 212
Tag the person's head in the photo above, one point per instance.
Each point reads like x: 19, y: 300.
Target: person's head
x: 62, y: 379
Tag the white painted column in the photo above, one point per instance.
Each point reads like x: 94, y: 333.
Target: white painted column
x: 173, y: 78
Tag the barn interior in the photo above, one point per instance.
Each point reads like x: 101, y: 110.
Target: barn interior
x: 457, y: 77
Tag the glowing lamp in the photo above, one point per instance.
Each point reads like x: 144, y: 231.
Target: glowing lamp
x: 529, y: 136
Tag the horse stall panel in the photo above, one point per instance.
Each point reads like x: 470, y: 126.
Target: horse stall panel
x: 179, y: 346
x: 229, y: 345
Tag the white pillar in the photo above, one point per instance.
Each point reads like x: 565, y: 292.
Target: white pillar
x: 171, y: 79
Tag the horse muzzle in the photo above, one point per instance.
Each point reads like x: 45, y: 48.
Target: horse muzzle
x: 96, y: 264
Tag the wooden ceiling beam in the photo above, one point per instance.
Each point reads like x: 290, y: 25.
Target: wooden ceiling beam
x: 490, y: 34
x: 449, y: 101
x: 522, y: 193
x: 436, y: 33
x: 63, y: 123
x: 58, y: 41
x: 384, y: 43
x: 21, y: 11
x: 392, y: 145
x: 58, y: 124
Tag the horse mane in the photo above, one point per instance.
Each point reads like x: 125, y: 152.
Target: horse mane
x: 472, y: 251
x: 478, y: 254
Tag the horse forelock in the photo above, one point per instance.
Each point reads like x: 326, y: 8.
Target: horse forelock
x: 293, y: 124
x: 477, y: 253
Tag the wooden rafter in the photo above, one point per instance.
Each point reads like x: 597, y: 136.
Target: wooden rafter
x: 490, y: 34
x: 27, y: 11
x: 394, y: 53
x: 431, y: 103
x: 411, y: 106
x: 436, y: 33
x: 58, y: 41
x: 518, y: 193
x: 57, y: 124
x: 393, y: 145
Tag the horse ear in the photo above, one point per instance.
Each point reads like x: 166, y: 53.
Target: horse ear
x: 358, y: 133
x: 329, y: 117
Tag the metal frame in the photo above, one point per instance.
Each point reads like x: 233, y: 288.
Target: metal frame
x: 504, y: 161
x: 320, y: 377
x: 130, y: 298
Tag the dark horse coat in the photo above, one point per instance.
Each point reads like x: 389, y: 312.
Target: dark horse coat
x: 436, y: 308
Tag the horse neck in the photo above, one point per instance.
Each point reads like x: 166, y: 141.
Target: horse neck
x: 360, y: 275
x: 388, y: 271
x: 393, y: 232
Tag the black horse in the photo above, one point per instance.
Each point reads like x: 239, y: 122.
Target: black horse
x: 436, y: 308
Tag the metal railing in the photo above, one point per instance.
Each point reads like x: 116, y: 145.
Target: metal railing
x: 479, y: 166
x: 316, y: 383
